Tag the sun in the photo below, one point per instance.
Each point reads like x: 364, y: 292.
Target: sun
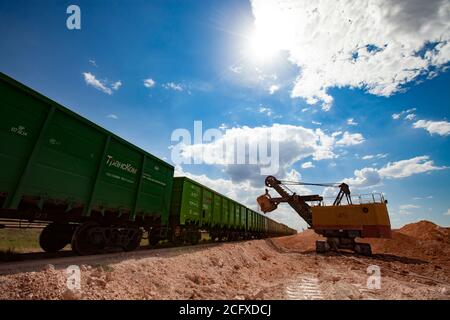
x: 268, y: 36
x: 262, y: 46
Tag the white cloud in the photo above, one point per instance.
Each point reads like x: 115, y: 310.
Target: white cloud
x: 441, y: 128
x: 376, y: 45
x: 273, y: 88
x: 405, y: 209
x: 408, y: 112
x: 90, y: 79
x: 112, y: 116
x: 307, y: 165
x: 368, y: 177
x: 295, y: 143
x: 406, y: 168
x: 447, y: 213
x: 316, y: 123
x: 351, y: 122
x: 265, y: 110
x: 420, y: 198
x: 304, y: 109
x: 149, y: 83
x: 409, y: 206
x: 236, y: 69
x: 374, y: 156
x: 116, y: 85
x: 101, y: 85
x: 92, y: 61
x: 349, y: 139
x: 173, y: 86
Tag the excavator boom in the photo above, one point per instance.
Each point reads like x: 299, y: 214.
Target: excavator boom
x: 298, y: 203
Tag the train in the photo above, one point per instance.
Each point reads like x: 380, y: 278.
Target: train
x: 94, y: 190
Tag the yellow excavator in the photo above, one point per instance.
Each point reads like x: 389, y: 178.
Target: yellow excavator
x: 347, y: 218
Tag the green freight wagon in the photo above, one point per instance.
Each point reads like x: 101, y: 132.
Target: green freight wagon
x: 196, y: 207
x: 226, y: 209
x: 96, y: 189
x: 251, y: 217
x: 237, y: 215
x: 248, y: 226
x: 217, y: 210
x: 243, y: 222
x: 255, y: 221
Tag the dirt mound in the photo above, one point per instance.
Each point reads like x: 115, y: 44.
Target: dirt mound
x: 426, y: 230
x: 423, y: 240
x: 420, y: 240
x: 407, y: 246
x: 301, y: 242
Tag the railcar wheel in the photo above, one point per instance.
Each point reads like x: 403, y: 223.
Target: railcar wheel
x: 363, y: 249
x: 135, y: 241
x: 88, y: 239
x: 322, y: 246
x: 154, y: 236
x: 153, y: 240
x: 195, y: 237
x: 55, y: 236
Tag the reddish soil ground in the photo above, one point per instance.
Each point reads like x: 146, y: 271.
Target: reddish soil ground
x: 414, y: 264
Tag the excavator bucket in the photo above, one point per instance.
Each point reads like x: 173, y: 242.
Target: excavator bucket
x: 265, y: 203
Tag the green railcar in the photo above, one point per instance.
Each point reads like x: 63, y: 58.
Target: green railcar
x: 196, y: 207
x: 58, y: 166
x: 224, y: 220
x: 194, y: 204
x: 217, y: 210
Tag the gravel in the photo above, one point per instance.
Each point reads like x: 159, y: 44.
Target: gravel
x: 280, y: 268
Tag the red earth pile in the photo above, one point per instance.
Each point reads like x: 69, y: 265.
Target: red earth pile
x: 417, y: 248
x: 421, y: 240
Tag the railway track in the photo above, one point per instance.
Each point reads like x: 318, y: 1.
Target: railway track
x: 67, y: 258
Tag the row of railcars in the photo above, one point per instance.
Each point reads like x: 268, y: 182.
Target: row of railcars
x: 94, y: 190
x: 195, y: 207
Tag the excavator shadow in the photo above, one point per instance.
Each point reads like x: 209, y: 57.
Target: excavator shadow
x: 379, y: 256
x: 279, y: 249
x: 384, y: 257
x: 393, y: 258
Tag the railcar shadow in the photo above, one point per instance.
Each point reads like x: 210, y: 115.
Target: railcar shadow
x: 11, y: 255
x: 36, y: 261
x: 281, y: 249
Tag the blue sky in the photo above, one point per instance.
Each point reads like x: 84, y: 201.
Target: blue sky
x: 249, y: 66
